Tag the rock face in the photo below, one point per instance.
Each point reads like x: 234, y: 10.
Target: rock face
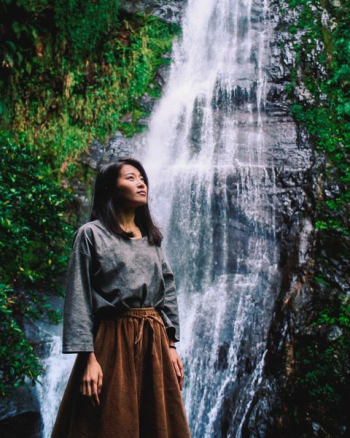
x: 266, y: 416
x: 169, y: 11
x: 278, y: 410
x: 20, y: 415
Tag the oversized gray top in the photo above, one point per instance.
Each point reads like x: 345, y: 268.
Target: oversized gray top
x: 108, y: 274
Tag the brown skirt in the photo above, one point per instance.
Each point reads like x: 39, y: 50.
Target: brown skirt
x: 140, y: 396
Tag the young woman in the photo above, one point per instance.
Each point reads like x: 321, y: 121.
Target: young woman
x: 121, y: 317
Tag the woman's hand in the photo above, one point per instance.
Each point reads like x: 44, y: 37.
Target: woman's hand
x: 178, y: 365
x: 91, y: 382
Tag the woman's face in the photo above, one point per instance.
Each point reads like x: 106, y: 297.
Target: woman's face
x: 131, y: 186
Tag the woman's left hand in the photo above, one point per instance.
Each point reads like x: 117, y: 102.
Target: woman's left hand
x: 178, y: 366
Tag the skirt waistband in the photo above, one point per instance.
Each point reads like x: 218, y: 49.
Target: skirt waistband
x: 144, y: 315
x: 139, y: 311
x: 132, y: 311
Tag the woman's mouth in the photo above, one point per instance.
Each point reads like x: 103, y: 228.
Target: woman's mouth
x: 141, y: 193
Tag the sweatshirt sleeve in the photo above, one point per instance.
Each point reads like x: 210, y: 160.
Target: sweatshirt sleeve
x: 78, y: 318
x: 170, y: 313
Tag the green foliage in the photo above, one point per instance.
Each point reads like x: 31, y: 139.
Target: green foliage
x: 33, y: 250
x: 323, y: 67
x: 84, y: 23
x: 78, y: 24
x: 32, y: 216
x: 325, y: 360
x: 63, y: 102
x: 19, y: 24
x: 329, y: 134
x: 17, y: 357
x: 339, y: 315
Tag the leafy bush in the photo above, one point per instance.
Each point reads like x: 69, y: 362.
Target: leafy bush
x: 84, y: 23
x: 63, y: 101
x: 32, y: 217
x: 325, y: 360
x: 33, y: 251
x: 75, y: 23
x: 17, y: 356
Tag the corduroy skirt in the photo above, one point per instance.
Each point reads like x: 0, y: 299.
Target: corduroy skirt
x: 140, y: 396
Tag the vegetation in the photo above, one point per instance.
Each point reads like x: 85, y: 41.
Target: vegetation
x: 63, y: 92
x: 322, y: 70
x: 33, y: 251
x: 71, y: 72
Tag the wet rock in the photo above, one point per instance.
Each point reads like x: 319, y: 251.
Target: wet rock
x: 169, y: 11
x: 20, y: 415
x: 334, y: 333
x: 222, y: 363
x: 146, y: 102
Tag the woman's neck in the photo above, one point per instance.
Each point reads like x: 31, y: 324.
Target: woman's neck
x: 126, y: 219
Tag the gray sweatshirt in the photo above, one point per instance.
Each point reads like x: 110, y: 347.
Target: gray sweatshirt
x: 108, y: 274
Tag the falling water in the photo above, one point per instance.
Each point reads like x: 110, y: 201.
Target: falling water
x: 212, y: 187
x: 57, y: 368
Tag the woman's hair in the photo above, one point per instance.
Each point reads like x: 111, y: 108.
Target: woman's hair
x: 106, y: 202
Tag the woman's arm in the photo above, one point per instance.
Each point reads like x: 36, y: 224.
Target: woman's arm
x: 91, y: 382
x: 78, y: 321
x: 177, y: 364
x: 170, y: 312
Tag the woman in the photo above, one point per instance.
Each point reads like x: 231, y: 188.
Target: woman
x: 121, y: 317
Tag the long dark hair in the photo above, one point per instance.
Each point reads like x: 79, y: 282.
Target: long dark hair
x: 106, y: 202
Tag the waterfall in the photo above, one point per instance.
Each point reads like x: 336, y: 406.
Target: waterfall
x: 50, y: 390
x: 212, y: 184
x: 209, y: 154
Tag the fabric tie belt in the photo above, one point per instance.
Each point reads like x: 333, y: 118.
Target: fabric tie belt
x: 144, y: 314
